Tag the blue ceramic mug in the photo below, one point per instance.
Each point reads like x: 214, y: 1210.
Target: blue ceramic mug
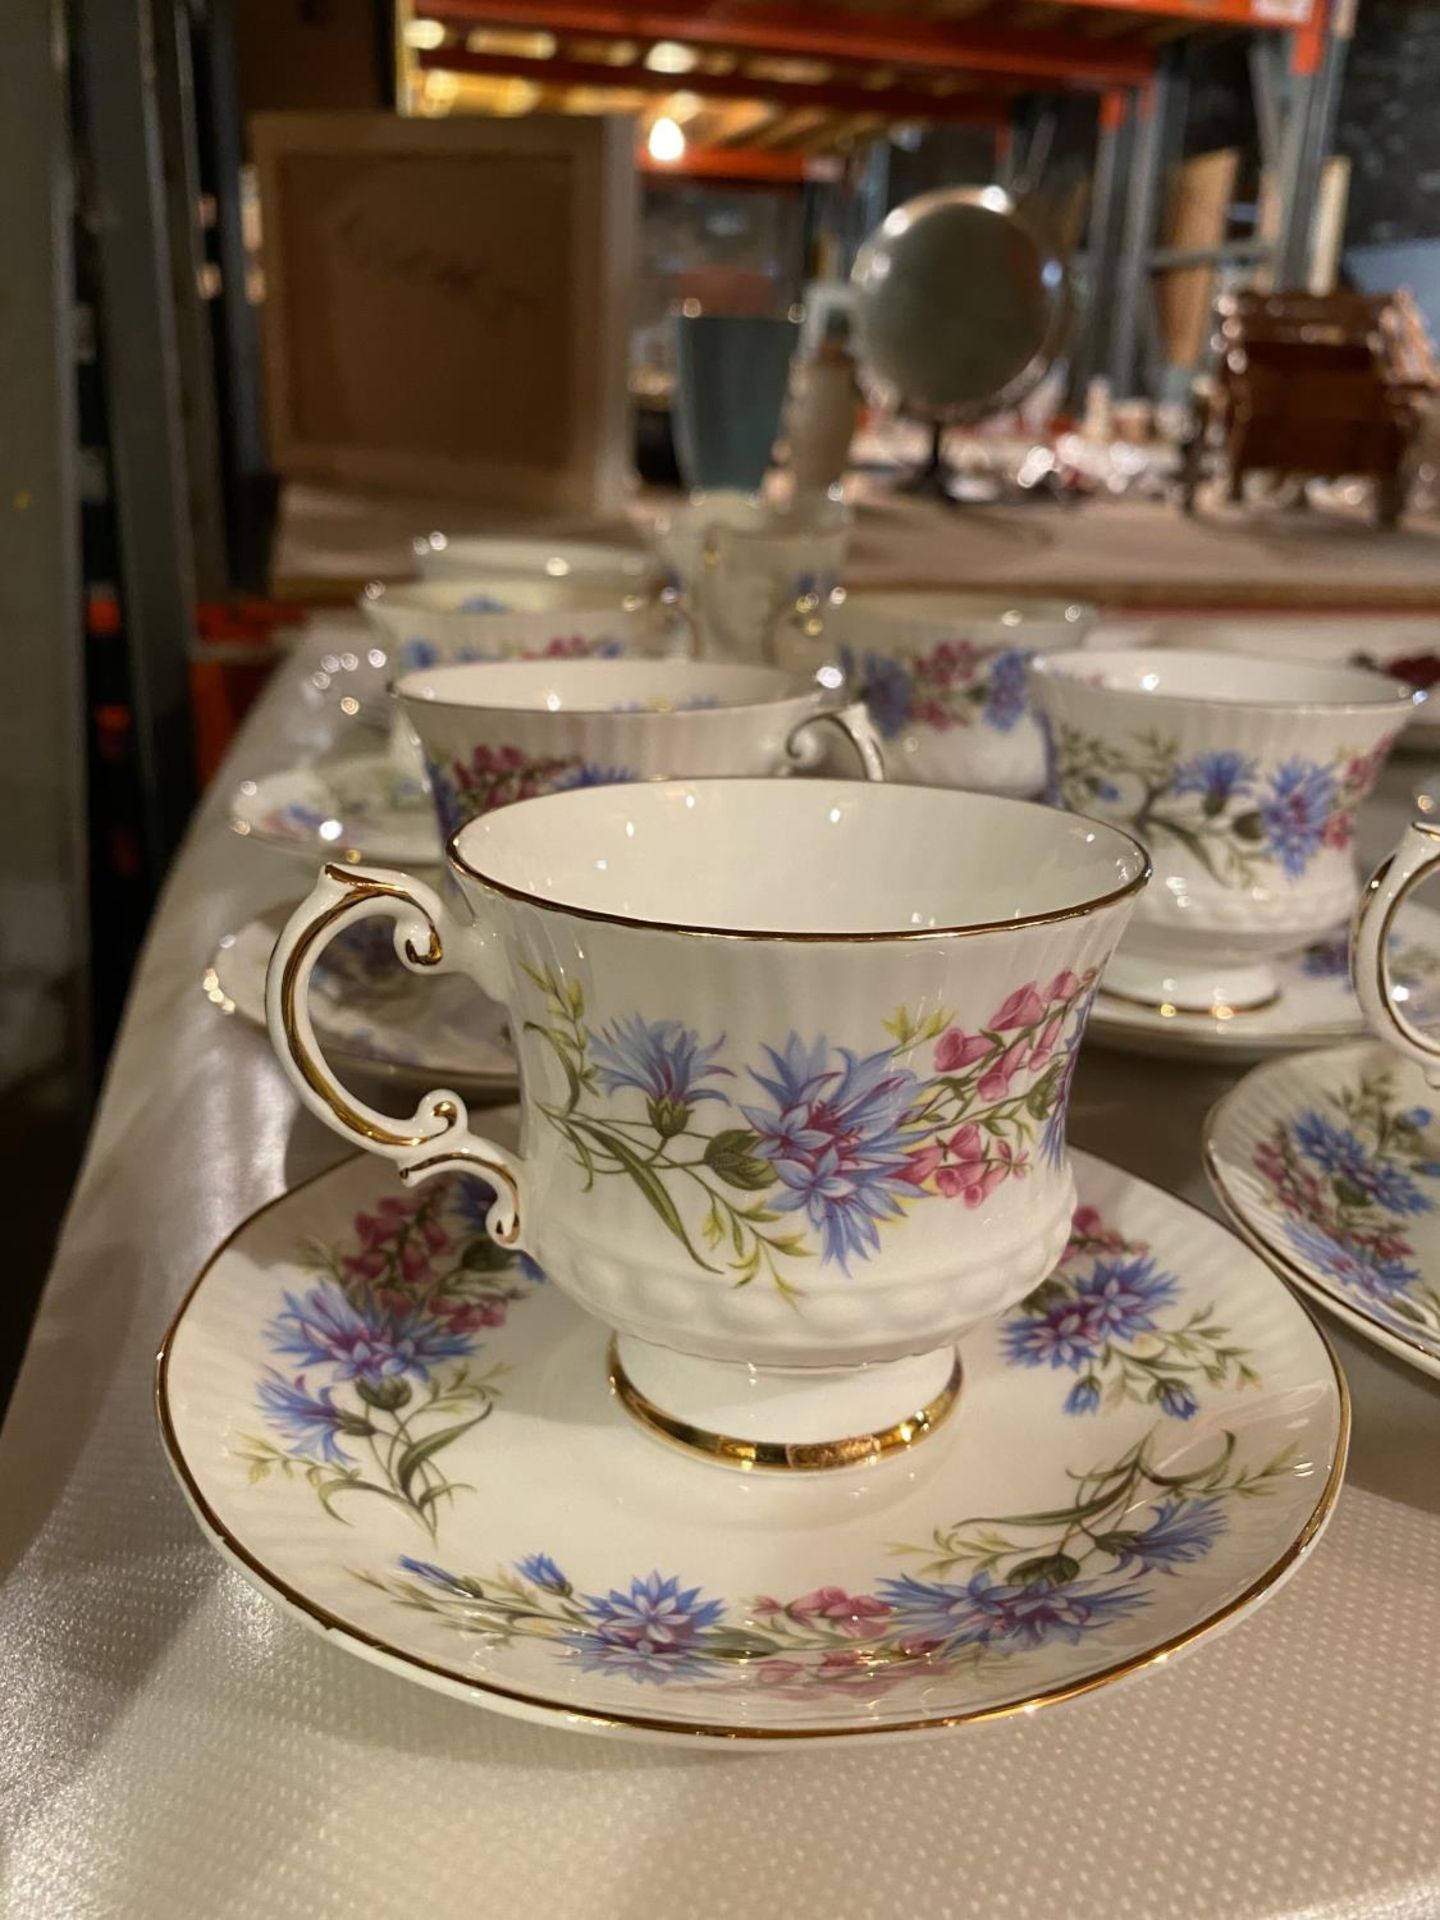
x: 731, y: 372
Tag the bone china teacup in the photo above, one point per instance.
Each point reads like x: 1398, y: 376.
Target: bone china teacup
x: 794, y: 1064
x: 943, y: 675
x: 1243, y: 778
x: 499, y: 733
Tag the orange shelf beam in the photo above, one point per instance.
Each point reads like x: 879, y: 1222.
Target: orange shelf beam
x: 735, y: 163
x: 827, y: 33
x: 895, y: 103
x: 1283, y: 16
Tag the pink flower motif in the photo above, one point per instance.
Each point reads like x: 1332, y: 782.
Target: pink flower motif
x: 1063, y: 985
x: 920, y: 1164
x: 469, y: 1316
x: 1045, y: 1045
x: 850, y: 1613
x: 767, y: 1607
x: 1023, y: 1008
x: 995, y: 1081
x: 414, y: 1262
x: 779, y: 1673
x: 365, y: 1266
x: 1338, y: 831
x: 966, y: 1143
x: 956, y: 1049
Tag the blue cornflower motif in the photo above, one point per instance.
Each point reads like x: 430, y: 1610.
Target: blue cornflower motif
x: 1393, y: 1189
x: 1294, y: 813
x: 1333, y: 1149
x: 436, y: 1576
x: 1005, y: 692
x: 296, y: 814
x: 1417, y: 1117
x: 310, y: 1421
x: 416, y: 654
x: 652, y: 1633
x: 1356, y: 1267
x: 1121, y: 1297
x: 587, y: 776
x: 1327, y: 959
x: 1065, y: 1334
x: 541, y: 1571
x: 661, y: 1058
x: 452, y: 810
x: 884, y: 685
x: 1339, y: 1152
x: 1052, y: 1134
x: 836, y: 1137
x: 1002, y: 1615
x: 1181, y: 1530
x: 1084, y: 1396
x: 473, y: 1200
x: 483, y: 603
x: 1216, y: 777
x: 1106, y: 790
x: 1175, y: 1398
x: 365, y: 1343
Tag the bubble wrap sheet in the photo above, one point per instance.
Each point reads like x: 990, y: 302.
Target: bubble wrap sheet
x: 172, y: 1746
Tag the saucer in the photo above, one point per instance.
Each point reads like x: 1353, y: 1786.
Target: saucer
x: 370, y: 1012
x: 352, y: 809
x: 1315, y: 1007
x: 1330, y: 1163
x: 397, y: 1430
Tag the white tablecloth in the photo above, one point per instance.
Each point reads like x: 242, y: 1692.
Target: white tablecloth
x: 173, y: 1747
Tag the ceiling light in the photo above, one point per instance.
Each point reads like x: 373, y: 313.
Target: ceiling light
x: 666, y: 143
x: 669, y: 56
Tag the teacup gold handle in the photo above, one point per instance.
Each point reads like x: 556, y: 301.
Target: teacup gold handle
x: 858, y: 728
x: 1392, y: 883
x: 436, y: 1138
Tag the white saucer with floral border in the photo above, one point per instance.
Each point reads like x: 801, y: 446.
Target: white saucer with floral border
x: 1316, y: 1006
x: 400, y: 1432
x: 372, y: 1013
x: 1330, y: 1164
x: 354, y: 809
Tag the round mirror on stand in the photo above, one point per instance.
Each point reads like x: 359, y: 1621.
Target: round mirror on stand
x: 961, y: 308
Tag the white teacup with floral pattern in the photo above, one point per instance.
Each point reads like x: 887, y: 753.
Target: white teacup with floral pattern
x: 433, y: 623
x: 502, y: 732
x: 794, y: 1064
x: 943, y: 675
x: 453, y: 622
x: 1243, y: 778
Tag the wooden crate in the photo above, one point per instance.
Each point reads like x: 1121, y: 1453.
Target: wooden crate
x: 447, y: 304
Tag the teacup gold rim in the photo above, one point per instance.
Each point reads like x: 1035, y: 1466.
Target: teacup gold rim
x: 333, y: 1626
x: 1080, y: 910
x: 800, y: 691
x: 1062, y: 669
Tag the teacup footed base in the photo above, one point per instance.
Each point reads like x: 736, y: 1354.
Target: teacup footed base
x: 772, y: 1419
x: 1207, y: 986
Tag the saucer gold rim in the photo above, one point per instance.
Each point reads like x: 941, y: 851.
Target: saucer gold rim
x: 332, y: 1626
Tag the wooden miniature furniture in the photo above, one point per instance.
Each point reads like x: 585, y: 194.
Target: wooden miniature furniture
x: 1307, y: 386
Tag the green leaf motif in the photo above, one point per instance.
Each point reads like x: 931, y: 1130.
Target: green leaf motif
x: 731, y: 1154
x: 646, y: 1179
x: 419, y: 1451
